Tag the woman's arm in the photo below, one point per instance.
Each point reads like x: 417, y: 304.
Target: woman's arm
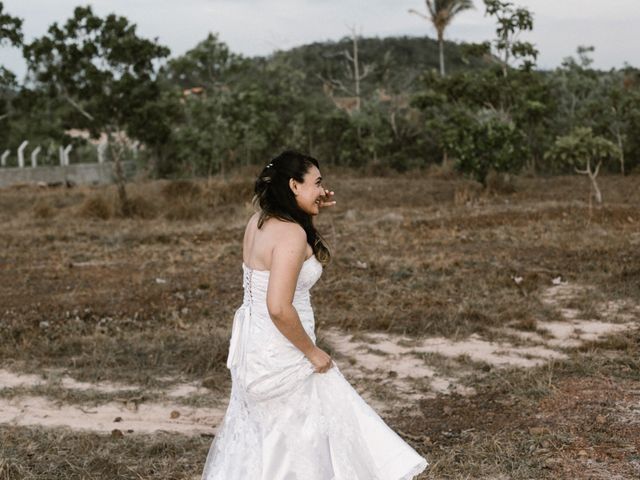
x: 286, y: 261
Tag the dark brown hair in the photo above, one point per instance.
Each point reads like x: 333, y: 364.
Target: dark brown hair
x: 276, y: 199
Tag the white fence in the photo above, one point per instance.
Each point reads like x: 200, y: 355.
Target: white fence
x: 76, y: 174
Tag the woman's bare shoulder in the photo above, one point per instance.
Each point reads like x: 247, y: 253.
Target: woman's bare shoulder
x: 276, y: 230
x: 279, y: 227
x: 284, y: 230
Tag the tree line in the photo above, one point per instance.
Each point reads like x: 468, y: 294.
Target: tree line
x: 396, y: 103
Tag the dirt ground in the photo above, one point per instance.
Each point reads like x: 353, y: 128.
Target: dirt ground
x: 496, y: 330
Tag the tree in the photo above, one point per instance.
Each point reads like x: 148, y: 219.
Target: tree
x: 208, y: 64
x: 105, y: 72
x: 10, y: 29
x: 441, y: 14
x: 11, y: 34
x: 614, y: 108
x: 576, y: 88
x: 512, y: 21
x: 241, y: 122
x: 583, y: 152
x: 356, y: 72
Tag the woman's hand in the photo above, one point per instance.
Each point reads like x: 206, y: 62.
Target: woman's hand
x: 326, y: 199
x: 320, y: 360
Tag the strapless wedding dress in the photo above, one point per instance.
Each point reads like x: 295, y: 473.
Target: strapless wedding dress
x: 286, y: 422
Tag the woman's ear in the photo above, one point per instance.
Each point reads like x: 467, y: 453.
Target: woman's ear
x: 293, y: 185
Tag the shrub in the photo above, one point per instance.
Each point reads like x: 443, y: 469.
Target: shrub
x: 96, y: 208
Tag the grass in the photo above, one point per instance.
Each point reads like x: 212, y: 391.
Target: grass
x: 35, y: 453
x: 151, y: 297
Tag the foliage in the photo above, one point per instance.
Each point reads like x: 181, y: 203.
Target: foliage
x: 581, y: 150
x: 230, y: 123
x: 485, y: 121
x: 441, y: 14
x: 100, y: 67
x: 487, y: 142
x: 512, y: 21
x: 10, y: 34
x: 584, y: 152
x: 211, y: 110
x: 10, y: 29
x: 210, y: 63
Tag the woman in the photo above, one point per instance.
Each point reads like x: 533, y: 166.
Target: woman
x: 292, y: 415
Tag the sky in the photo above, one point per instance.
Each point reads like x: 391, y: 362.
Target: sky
x: 258, y: 27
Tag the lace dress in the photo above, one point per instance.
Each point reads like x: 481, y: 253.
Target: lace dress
x: 286, y: 422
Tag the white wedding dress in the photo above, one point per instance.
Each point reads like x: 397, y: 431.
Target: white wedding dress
x: 286, y: 422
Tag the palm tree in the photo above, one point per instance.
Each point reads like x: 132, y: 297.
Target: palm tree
x: 441, y: 14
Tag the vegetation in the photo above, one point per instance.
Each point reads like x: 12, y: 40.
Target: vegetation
x: 585, y: 153
x: 359, y: 102
x: 147, y: 302
x: 441, y: 14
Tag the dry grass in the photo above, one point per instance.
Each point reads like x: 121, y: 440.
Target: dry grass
x: 96, y: 208
x: 151, y: 296
x: 64, y: 454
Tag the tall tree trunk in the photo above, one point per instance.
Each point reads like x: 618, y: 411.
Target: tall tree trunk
x: 592, y: 174
x: 356, y: 69
x: 596, y: 190
x: 116, y: 154
x: 621, y: 147
x: 441, y: 45
x: 505, y: 64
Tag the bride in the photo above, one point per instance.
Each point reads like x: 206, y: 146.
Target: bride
x: 292, y: 415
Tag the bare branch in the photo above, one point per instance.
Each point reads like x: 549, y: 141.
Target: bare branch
x: 334, y: 83
x: 348, y: 55
x: 78, y: 107
x: 367, y: 69
x: 595, y: 174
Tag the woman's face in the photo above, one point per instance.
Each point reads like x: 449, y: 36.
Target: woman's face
x: 309, y: 192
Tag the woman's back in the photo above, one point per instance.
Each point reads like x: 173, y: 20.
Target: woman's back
x: 259, y: 243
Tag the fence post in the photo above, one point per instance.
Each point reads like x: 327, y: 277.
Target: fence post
x: 102, y: 151
x: 66, y: 154
x: 21, y: 148
x: 3, y: 159
x: 34, y: 156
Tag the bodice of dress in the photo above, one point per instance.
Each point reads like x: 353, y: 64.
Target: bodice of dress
x: 256, y: 282
x: 253, y: 330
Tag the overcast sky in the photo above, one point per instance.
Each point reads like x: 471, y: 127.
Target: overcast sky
x: 258, y: 27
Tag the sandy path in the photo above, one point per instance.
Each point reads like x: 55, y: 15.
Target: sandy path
x: 146, y: 418
x: 402, y: 360
x: 396, y: 362
x: 141, y: 417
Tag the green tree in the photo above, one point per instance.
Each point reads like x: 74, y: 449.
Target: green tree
x: 486, y: 142
x: 243, y: 122
x: 512, y: 21
x: 10, y: 29
x: 469, y: 111
x: 10, y: 34
x: 210, y: 63
x: 104, y: 71
x: 441, y: 13
x: 576, y: 87
x: 584, y: 152
x: 614, y: 110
